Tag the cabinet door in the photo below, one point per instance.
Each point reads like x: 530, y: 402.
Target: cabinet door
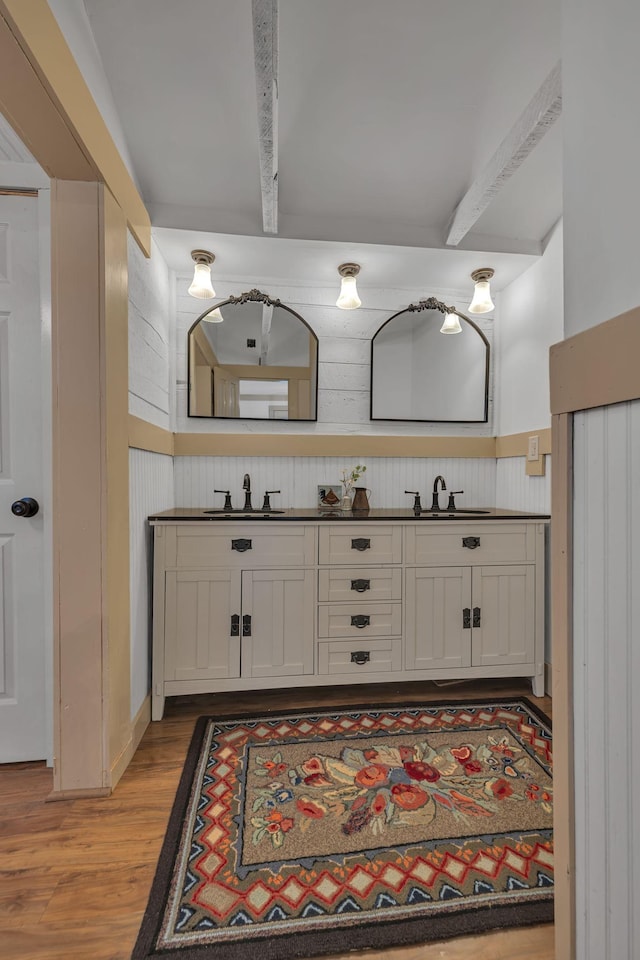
x: 505, y: 599
x: 435, y: 635
x: 198, y: 609
x: 278, y: 639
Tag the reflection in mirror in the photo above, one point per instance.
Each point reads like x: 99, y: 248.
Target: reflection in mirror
x: 255, y: 358
x: 419, y: 373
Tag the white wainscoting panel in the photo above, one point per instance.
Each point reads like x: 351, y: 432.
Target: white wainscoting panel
x: 151, y: 489
x: 298, y: 479
x: 516, y: 491
x: 150, y: 311
x: 606, y: 678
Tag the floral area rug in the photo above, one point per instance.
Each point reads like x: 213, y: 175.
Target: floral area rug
x: 306, y: 833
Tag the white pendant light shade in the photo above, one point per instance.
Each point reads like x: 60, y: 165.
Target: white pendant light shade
x: 348, y: 299
x: 214, y: 317
x: 482, y: 302
x: 451, y: 324
x: 201, y: 287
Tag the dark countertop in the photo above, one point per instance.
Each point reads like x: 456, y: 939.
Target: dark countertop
x: 339, y: 516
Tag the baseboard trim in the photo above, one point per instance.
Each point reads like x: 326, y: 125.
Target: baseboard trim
x: 141, y: 721
x: 138, y: 726
x: 91, y: 793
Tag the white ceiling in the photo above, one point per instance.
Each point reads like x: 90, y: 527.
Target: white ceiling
x: 387, y: 113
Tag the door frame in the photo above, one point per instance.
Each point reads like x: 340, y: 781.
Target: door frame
x: 94, y: 201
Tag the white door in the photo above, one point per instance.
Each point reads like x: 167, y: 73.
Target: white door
x: 22, y: 671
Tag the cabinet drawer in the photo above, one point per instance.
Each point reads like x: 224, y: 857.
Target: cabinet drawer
x: 371, y: 656
x: 233, y: 546
x: 360, y: 543
x: 360, y: 583
x: 360, y: 620
x: 464, y: 544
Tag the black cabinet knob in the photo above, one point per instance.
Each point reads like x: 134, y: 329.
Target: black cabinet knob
x: 25, y: 507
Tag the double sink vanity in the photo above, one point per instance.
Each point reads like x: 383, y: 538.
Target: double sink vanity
x: 270, y: 598
x: 249, y: 599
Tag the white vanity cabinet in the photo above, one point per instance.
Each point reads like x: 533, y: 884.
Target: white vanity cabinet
x: 234, y: 607
x: 267, y: 603
x: 475, y: 599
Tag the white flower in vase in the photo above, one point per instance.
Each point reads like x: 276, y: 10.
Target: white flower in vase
x: 349, y: 480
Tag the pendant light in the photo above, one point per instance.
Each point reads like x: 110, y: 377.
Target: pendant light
x: 214, y: 317
x: 201, y: 284
x: 348, y: 299
x: 451, y: 324
x: 482, y: 302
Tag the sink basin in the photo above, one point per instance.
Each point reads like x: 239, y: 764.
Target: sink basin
x: 242, y: 513
x: 451, y: 513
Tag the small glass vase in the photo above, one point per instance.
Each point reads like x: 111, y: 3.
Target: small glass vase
x: 345, y: 502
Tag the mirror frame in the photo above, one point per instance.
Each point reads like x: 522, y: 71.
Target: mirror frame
x: 250, y: 296
x: 431, y: 303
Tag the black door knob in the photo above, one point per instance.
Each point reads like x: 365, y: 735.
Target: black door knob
x: 26, y: 507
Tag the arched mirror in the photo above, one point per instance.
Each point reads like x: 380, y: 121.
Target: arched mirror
x: 420, y: 372
x: 252, y: 357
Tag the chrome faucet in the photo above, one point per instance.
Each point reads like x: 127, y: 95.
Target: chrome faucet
x: 435, y: 504
x: 246, y: 486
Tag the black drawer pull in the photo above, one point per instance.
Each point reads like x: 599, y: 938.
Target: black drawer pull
x: 360, y: 657
x: 360, y: 585
x: 476, y: 616
x: 360, y: 621
x: 235, y: 625
x: 471, y: 542
x: 466, y: 618
x: 241, y: 545
x: 246, y: 625
x: 361, y: 543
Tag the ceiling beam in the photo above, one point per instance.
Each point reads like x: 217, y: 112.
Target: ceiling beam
x: 265, y: 48
x: 527, y: 132
x: 267, y: 316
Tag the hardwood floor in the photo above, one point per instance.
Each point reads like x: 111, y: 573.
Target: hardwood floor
x: 75, y: 875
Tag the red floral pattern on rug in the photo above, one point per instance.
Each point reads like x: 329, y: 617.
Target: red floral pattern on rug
x: 382, y: 787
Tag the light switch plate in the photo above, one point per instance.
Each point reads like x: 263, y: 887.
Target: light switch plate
x: 533, y: 450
